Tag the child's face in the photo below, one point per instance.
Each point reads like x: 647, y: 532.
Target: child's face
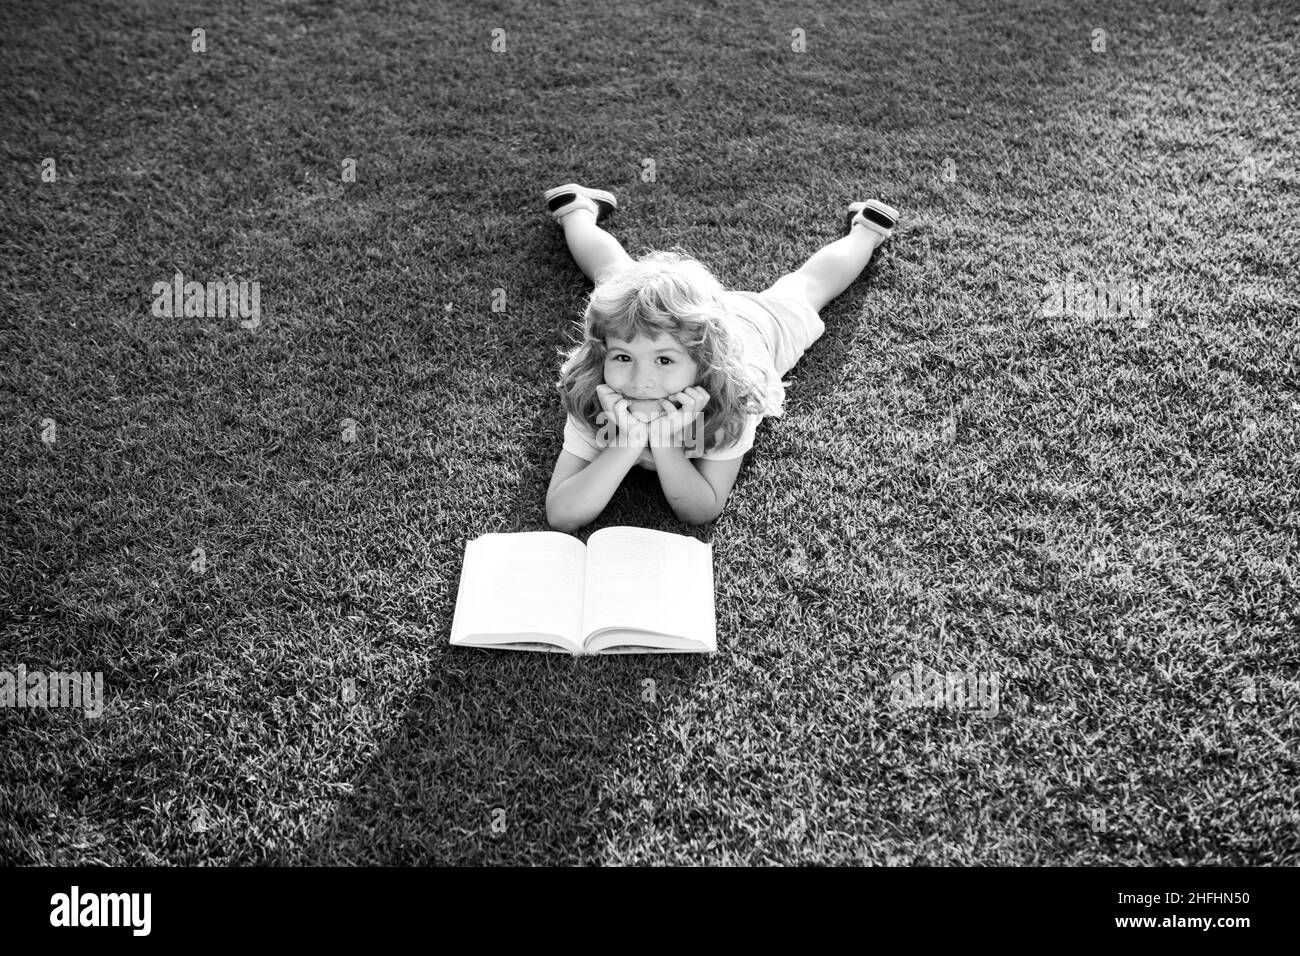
x: 648, y: 368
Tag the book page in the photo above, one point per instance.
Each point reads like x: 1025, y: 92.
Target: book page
x: 649, y: 581
x: 527, y: 583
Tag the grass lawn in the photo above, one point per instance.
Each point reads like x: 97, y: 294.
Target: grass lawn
x: 1099, y: 511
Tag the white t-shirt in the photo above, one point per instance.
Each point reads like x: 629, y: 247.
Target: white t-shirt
x: 580, y: 439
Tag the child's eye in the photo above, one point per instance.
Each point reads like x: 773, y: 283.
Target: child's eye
x: 664, y: 357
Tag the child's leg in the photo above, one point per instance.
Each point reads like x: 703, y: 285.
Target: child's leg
x: 596, y: 252
x: 831, y: 269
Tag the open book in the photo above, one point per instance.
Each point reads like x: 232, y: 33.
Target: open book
x: 626, y: 591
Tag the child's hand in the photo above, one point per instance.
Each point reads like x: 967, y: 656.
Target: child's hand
x: 667, y: 430
x: 618, y: 425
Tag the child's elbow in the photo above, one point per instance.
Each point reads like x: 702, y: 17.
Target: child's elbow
x: 568, y: 527
x: 560, y: 523
x: 716, y: 511
x: 703, y: 517
x: 560, y: 520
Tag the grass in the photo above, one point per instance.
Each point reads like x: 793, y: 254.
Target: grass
x: 1102, y: 511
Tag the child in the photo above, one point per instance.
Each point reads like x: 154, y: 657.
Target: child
x: 692, y: 418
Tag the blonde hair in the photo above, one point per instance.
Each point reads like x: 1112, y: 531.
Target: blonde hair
x: 668, y: 292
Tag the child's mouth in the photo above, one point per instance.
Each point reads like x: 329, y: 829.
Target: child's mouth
x: 646, y: 409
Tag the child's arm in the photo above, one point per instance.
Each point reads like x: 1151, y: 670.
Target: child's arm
x: 580, y: 490
x: 696, y: 488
